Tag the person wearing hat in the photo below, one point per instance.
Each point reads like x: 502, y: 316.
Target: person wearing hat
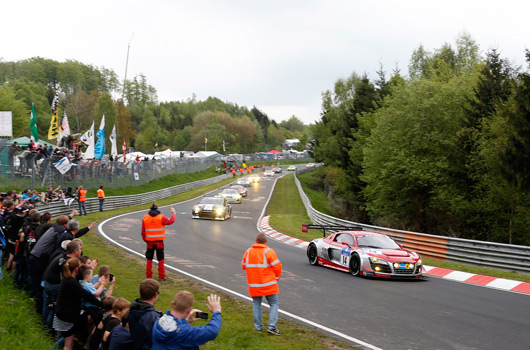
x: 154, y: 233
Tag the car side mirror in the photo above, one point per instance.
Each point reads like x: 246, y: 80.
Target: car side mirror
x: 345, y: 243
x: 400, y: 245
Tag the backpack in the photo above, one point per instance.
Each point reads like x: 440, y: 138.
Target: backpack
x: 31, y: 239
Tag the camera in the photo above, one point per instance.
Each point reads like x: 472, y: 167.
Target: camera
x: 203, y: 315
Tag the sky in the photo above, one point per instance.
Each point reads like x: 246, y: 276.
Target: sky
x: 279, y: 56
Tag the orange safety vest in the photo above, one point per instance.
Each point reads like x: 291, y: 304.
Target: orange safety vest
x: 82, y: 195
x: 154, y: 230
x: 101, y: 194
x: 263, y: 270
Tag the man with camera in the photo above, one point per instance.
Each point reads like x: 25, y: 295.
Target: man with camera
x: 173, y: 330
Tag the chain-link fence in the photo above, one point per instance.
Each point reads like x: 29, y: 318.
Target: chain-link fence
x: 25, y: 169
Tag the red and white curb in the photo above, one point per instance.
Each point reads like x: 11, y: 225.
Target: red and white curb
x: 457, y: 276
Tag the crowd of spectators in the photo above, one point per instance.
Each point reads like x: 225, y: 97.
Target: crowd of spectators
x: 77, y: 306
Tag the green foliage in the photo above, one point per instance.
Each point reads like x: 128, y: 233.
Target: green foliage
x: 9, y: 102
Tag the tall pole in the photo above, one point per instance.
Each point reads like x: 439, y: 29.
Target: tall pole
x: 126, y: 65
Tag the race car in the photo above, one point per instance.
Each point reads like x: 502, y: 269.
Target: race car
x: 311, y: 165
x: 244, y: 181
x: 291, y: 168
x: 240, y: 189
x: 254, y: 178
x: 231, y: 195
x: 212, y: 208
x: 365, y: 253
x: 277, y: 170
x: 268, y: 173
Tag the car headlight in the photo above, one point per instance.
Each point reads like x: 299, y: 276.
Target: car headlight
x: 220, y: 211
x: 238, y: 196
x: 377, y: 260
x: 196, y: 210
x: 420, y: 262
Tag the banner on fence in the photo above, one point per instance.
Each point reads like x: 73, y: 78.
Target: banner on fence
x: 63, y: 165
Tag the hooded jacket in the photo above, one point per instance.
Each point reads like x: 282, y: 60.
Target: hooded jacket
x: 171, y: 333
x: 142, y: 317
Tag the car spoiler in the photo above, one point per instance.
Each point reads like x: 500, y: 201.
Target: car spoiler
x: 305, y: 228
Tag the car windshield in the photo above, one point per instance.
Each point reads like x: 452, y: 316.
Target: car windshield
x: 229, y: 191
x: 237, y: 187
x: 376, y: 241
x: 212, y: 200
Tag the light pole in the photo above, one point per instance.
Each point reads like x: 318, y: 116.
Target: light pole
x: 126, y: 65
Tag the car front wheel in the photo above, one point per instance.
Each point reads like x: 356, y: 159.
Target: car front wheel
x: 312, y: 254
x: 355, y: 265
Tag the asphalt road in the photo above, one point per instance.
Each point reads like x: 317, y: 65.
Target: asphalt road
x: 388, y: 314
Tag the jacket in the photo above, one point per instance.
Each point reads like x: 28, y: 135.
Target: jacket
x: 142, y: 317
x: 263, y: 270
x: 120, y: 339
x: 171, y: 333
x: 153, y: 226
x: 45, y: 246
x: 101, y: 193
x: 71, y: 293
x: 82, y: 195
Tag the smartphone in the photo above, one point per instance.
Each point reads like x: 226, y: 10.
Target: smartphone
x: 111, y: 277
x: 203, y: 315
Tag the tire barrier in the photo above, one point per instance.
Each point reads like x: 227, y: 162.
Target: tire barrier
x: 500, y: 256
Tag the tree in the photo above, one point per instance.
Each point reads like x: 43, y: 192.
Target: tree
x: 293, y: 124
x: 8, y: 102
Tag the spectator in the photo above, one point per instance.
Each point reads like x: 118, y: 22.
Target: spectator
x: 15, y: 222
x: 263, y: 271
x: 85, y: 275
x: 120, y: 308
x: 73, y: 231
x: 52, y: 278
x: 40, y: 255
x: 120, y: 337
x: 143, y: 315
x: 105, y: 313
x: 68, y: 196
x: 104, y: 271
x: 173, y: 330
x: 68, y: 318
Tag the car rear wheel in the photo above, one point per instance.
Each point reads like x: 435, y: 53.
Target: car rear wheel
x: 312, y: 254
x: 355, y: 264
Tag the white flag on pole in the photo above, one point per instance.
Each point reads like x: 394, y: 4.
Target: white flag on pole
x: 112, y: 138
x: 63, y: 165
x: 88, y: 139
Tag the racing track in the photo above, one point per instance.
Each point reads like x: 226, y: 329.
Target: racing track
x: 389, y: 314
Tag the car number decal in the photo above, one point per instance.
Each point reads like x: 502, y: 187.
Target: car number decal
x: 208, y: 207
x: 344, y: 254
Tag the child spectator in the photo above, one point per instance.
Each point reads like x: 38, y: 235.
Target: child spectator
x: 85, y: 275
x: 104, y: 270
x: 105, y: 312
x: 120, y: 308
x: 120, y: 337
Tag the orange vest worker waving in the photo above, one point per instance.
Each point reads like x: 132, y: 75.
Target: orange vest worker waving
x: 154, y: 234
x: 263, y: 273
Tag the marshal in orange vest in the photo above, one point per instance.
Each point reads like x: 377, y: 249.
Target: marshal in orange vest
x: 154, y: 229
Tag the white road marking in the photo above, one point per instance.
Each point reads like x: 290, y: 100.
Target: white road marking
x: 216, y: 286
x: 458, y: 276
x: 504, y: 284
x: 243, y: 217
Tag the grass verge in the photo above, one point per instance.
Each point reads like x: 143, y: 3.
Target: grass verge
x: 288, y: 214
x: 237, y: 331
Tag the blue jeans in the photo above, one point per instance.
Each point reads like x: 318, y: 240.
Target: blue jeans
x: 101, y: 200
x: 51, y: 293
x: 273, y: 313
x: 82, y: 208
x: 21, y: 272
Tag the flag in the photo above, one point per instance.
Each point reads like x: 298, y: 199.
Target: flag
x: 99, y: 151
x: 205, y: 139
x: 53, y: 132
x: 63, y: 165
x: 64, y: 128
x: 224, y: 150
x: 33, y: 125
x: 88, y: 139
x: 156, y: 144
x: 124, y: 147
x: 112, y: 138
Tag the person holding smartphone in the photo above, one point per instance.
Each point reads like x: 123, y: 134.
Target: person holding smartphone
x: 174, y: 331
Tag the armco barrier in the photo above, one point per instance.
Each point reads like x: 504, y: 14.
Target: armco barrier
x: 114, y: 202
x: 479, y: 253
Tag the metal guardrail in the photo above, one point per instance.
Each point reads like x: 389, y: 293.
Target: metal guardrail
x: 115, y: 202
x: 479, y: 253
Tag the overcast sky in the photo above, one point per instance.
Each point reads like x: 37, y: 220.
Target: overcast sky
x: 276, y: 55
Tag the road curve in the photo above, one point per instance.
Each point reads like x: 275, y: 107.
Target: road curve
x: 387, y: 314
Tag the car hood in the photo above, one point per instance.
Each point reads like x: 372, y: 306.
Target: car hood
x: 391, y: 254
